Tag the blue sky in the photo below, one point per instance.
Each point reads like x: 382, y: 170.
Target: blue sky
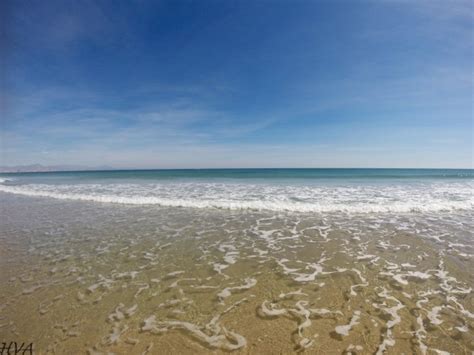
x: 158, y: 84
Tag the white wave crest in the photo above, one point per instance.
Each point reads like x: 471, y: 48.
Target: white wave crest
x: 294, y: 198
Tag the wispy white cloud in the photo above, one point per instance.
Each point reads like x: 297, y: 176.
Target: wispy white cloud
x: 67, y: 120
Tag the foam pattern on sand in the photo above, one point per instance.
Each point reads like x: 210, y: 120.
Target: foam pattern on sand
x: 134, y: 280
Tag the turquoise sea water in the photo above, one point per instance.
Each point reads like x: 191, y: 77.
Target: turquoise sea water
x: 310, y: 174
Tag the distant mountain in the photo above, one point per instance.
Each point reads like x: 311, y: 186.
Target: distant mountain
x: 36, y: 168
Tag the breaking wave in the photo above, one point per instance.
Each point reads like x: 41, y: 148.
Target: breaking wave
x: 430, y: 197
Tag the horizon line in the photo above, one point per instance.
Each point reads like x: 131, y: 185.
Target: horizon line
x: 227, y: 168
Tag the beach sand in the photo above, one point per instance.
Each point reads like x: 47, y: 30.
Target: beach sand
x: 82, y: 277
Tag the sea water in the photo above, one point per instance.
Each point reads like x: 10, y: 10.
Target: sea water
x: 248, y: 261
x: 299, y: 190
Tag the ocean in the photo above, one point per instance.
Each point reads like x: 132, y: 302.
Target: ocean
x: 298, y: 190
x: 257, y: 261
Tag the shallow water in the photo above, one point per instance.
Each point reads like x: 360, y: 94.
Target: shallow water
x: 85, y: 276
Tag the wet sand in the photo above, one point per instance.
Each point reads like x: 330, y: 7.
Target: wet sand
x: 82, y: 277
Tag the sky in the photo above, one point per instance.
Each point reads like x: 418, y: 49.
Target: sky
x: 209, y: 84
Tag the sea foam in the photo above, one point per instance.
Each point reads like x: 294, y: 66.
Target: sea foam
x: 432, y: 197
